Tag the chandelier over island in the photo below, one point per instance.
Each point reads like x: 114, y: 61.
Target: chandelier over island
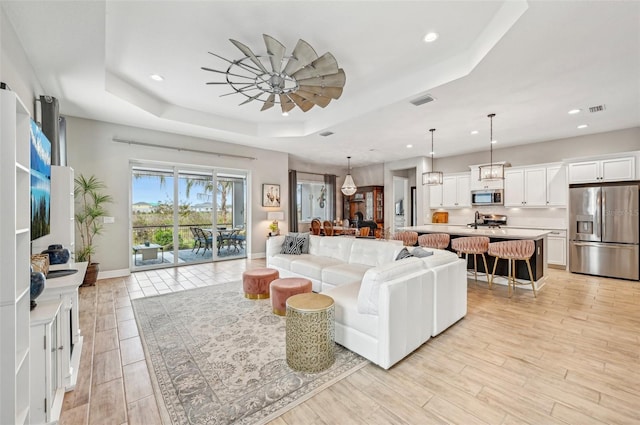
x: 432, y: 178
x: 302, y: 79
x: 491, y: 171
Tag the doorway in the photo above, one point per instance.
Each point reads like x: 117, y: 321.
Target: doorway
x: 401, y: 206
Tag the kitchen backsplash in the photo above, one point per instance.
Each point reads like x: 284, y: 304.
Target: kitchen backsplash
x: 552, y: 218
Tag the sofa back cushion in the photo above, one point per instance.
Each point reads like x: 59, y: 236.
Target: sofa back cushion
x: 373, y: 252
x: 330, y: 246
x: 375, y: 277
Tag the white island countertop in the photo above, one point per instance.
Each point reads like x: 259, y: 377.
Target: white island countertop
x: 460, y: 230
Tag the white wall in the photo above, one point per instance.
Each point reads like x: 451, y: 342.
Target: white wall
x: 91, y: 151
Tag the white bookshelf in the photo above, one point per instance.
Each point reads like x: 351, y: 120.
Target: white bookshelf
x: 15, y: 213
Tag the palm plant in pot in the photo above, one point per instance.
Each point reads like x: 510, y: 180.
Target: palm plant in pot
x: 89, y: 214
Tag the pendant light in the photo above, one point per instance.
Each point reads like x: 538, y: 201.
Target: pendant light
x: 432, y: 178
x: 349, y: 187
x: 491, y: 171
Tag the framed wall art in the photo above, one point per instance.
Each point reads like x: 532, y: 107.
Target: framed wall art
x: 270, y: 195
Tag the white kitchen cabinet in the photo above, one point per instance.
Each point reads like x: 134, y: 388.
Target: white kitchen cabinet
x: 47, y: 392
x: 456, y: 192
x: 603, y: 170
x: 557, y: 248
x: 15, y: 259
x: 539, y: 186
x: 525, y: 187
x: 435, y: 196
x: 557, y: 186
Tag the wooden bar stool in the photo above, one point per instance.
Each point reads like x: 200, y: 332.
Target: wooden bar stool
x: 434, y: 240
x: 473, y: 245
x: 512, y: 251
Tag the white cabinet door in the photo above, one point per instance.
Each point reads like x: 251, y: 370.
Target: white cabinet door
x: 449, y: 191
x: 557, y: 186
x: 618, y: 169
x: 435, y: 196
x: 514, y: 188
x: 556, y: 249
x: 584, y: 172
x: 535, y: 187
x: 463, y: 191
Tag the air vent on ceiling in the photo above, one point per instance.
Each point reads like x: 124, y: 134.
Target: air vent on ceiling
x: 326, y: 133
x: 422, y: 100
x: 597, y: 108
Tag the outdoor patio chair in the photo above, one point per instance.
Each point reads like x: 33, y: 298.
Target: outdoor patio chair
x: 204, y: 240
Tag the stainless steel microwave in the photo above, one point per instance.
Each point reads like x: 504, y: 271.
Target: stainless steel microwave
x: 487, y: 197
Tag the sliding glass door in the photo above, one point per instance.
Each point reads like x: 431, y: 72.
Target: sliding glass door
x: 183, y: 215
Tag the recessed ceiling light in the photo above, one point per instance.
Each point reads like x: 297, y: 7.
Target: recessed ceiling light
x: 583, y: 126
x: 493, y: 142
x: 285, y: 114
x: 474, y: 131
x: 431, y: 37
x: 574, y: 111
x: 156, y: 77
x: 409, y: 146
x: 432, y: 153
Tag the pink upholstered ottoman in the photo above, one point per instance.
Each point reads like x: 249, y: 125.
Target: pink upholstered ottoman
x: 256, y: 282
x: 281, y: 289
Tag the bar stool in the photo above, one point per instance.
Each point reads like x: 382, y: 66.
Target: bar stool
x: 407, y: 238
x: 473, y: 245
x: 434, y: 240
x: 512, y: 251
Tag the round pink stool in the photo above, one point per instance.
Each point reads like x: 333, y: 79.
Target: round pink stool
x: 434, y: 240
x: 512, y: 251
x: 285, y: 287
x: 256, y: 282
x: 473, y: 245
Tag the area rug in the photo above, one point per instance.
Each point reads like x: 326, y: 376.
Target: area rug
x: 216, y: 357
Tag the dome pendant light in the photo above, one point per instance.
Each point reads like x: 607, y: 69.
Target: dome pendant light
x: 349, y: 187
x: 491, y: 171
x: 432, y: 178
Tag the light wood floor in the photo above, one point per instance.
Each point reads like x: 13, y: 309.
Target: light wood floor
x: 571, y: 356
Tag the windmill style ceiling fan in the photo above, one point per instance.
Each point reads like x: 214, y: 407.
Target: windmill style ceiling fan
x: 303, y: 79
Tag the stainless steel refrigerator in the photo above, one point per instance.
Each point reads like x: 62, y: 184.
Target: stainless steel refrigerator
x: 604, y: 230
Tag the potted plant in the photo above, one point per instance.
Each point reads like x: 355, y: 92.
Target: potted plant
x: 89, y: 214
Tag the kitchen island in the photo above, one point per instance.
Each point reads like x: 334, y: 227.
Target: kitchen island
x: 538, y: 260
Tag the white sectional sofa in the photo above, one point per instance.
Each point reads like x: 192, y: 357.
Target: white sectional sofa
x: 384, y: 308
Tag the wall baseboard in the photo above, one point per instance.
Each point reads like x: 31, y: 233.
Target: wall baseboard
x: 108, y: 274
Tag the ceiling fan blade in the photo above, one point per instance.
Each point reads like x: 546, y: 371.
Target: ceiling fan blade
x: 324, y: 65
x: 242, y: 90
x: 269, y: 103
x: 332, y: 92
x: 240, y: 64
x: 285, y: 103
x: 276, y: 50
x: 316, y: 99
x: 334, y: 80
x: 302, y: 103
x: 302, y: 55
x: 248, y: 53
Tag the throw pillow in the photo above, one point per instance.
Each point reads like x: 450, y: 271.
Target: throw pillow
x: 292, y: 245
x: 305, y: 236
x: 421, y: 252
x: 404, y: 253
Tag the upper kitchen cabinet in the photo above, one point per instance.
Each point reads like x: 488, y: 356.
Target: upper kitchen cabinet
x: 603, y: 170
x: 538, y: 186
x: 456, y: 191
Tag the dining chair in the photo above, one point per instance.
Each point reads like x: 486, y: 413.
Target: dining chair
x: 328, y: 228
x: 316, y: 226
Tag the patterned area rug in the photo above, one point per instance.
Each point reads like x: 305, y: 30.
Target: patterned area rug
x: 218, y: 358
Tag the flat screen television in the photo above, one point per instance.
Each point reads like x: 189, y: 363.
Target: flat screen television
x: 40, y: 182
